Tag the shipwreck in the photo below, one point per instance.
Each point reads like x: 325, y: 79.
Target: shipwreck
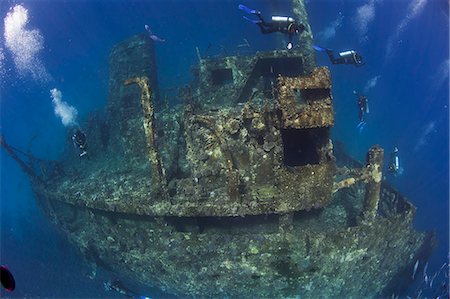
x: 236, y: 192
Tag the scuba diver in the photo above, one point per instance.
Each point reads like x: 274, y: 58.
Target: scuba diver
x: 394, y: 163
x: 117, y: 286
x: 285, y: 25
x: 346, y: 57
x: 363, y: 106
x: 79, y: 140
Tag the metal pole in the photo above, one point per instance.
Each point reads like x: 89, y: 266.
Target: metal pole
x: 375, y: 174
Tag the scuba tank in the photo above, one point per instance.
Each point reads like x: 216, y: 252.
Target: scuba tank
x: 347, y: 54
x: 394, y: 166
x: 283, y: 19
x: 351, y: 56
x: 396, y: 161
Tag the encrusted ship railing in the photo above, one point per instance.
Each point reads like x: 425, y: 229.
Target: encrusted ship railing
x: 391, y: 203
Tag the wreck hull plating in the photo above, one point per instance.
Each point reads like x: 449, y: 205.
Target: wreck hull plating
x: 322, y: 254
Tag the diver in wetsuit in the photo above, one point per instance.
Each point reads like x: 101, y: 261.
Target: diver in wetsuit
x: 363, y: 109
x: 346, y: 57
x: 363, y: 105
x: 394, y: 163
x: 79, y: 140
x: 286, y: 25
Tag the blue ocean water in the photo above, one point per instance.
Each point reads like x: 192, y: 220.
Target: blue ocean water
x: 406, y: 78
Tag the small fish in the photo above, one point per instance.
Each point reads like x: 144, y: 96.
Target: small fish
x: 432, y: 279
x: 152, y: 36
x: 418, y: 295
x: 425, y: 276
x: 416, y: 265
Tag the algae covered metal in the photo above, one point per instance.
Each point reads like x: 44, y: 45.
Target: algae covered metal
x: 236, y: 192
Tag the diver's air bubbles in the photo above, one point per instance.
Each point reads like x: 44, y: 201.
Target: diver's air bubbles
x: 425, y: 135
x: 330, y: 31
x: 371, y: 83
x: 67, y: 113
x: 365, y: 15
x: 441, y: 75
x: 415, y: 8
x: 2, y: 65
x: 24, y: 44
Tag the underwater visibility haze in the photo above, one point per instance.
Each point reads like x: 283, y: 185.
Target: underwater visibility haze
x: 224, y: 149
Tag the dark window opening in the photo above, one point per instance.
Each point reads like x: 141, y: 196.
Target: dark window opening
x: 221, y: 76
x: 301, y: 146
x: 305, y: 96
x: 272, y: 67
x: 309, y: 95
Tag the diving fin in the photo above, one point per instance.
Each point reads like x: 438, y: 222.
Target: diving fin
x: 318, y: 48
x: 361, y: 126
x: 252, y: 21
x: 249, y: 10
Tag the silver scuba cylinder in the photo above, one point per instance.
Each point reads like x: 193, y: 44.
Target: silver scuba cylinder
x: 396, y: 160
x: 396, y: 164
x: 282, y: 19
x: 347, y: 54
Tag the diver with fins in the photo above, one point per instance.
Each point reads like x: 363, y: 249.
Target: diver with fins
x: 394, y: 163
x: 284, y: 24
x: 346, y: 57
x: 79, y: 141
x: 363, y: 109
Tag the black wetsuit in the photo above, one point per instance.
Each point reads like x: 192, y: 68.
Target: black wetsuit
x: 362, y: 105
x: 284, y: 26
x: 79, y: 139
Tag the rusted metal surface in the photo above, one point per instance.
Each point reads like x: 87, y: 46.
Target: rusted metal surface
x: 158, y: 171
x: 375, y: 171
x: 305, y: 102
